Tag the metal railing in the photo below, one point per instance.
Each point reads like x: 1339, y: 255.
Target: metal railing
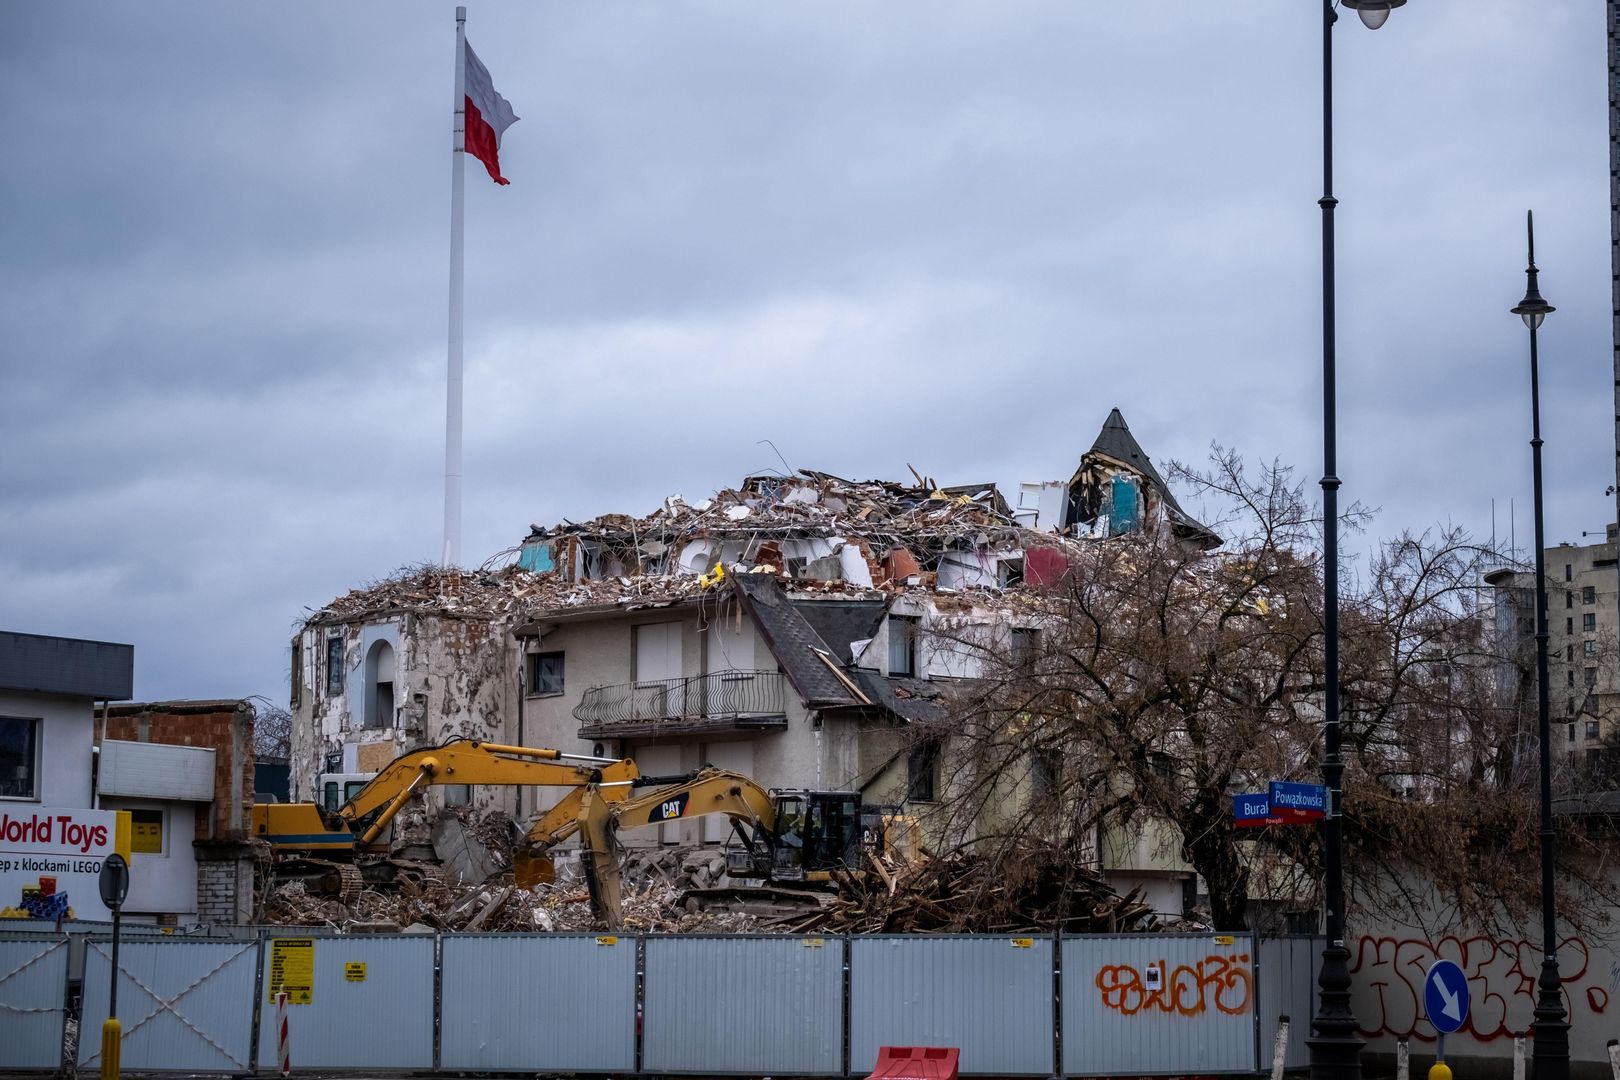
x: 721, y: 695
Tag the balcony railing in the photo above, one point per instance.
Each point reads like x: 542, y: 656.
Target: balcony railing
x: 726, y: 696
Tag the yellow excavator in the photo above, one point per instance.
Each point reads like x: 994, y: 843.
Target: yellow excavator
x: 335, y: 852
x: 786, y: 837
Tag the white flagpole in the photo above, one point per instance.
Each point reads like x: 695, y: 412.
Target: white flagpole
x: 452, y: 389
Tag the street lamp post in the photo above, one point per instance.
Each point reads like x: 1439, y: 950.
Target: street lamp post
x: 1550, y: 1055
x: 1335, y: 1046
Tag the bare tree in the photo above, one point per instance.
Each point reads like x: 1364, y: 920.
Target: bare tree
x: 1162, y: 679
x: 272, y: 731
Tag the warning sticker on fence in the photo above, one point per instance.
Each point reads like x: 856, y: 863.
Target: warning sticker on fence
x: 355, y: 971
x: 292, y: 970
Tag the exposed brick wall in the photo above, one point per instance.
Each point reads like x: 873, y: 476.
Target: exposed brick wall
x: 226, y: 727
x: 224, y: 885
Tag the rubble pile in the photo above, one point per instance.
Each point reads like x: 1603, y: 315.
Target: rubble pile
x: 960, y: 893
x: 440, y: 589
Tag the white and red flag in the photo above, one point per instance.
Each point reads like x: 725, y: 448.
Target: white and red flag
x: 487, y: 115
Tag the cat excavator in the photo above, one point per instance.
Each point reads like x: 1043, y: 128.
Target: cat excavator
x: 792, y: 839
x: 336, y: 852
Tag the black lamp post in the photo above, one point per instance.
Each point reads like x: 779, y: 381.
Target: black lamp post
x: 1550, y: 1055
x: 1335, y: 1046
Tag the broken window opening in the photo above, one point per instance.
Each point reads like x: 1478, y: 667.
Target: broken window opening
x: 922, y: 769
x: 902, y: 645
x: 297, y: 669
x: 545, y: 674
x: 334, y: 666
x: 379, y: 700
x: 1009, y: 572
x: 458, y: 795
x: 1026, y: 643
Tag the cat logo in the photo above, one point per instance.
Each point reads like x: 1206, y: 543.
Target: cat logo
x: 670, y: 809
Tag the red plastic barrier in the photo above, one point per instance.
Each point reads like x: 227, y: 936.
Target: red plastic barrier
x: 916, y: 1063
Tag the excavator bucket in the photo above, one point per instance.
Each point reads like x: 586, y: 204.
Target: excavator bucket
x: 529, y: 870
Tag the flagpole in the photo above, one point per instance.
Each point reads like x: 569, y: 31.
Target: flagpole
x: 452, y: 389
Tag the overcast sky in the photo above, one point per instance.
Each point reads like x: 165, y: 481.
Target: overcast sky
x: 945, y: 234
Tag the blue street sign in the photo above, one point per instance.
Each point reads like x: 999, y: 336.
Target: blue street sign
x: 1308, y: 798
x: 1445, y: 996
x: 1248, y: 807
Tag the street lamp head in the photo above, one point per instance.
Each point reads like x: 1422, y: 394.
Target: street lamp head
x: 1532, y: 309
x: 1373, y: 12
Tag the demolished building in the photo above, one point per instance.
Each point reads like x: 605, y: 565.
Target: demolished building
x: 796, y: 628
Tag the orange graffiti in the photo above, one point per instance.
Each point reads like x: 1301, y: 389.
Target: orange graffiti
x: 1389, y: 973
x: 1188, y: 990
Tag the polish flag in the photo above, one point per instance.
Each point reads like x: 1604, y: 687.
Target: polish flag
x: 487, y: 115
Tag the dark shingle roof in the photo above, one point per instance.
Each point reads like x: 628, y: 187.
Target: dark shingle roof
x: 842, y: 622
x: 793, y: 641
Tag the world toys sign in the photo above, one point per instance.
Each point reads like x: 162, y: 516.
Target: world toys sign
x: 1284, y: 804
x: 50, y: 860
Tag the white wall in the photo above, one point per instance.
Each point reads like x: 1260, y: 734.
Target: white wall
x: 66, y: 742
x: 163, y: 884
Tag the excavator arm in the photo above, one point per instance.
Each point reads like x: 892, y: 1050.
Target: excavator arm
x: 472, y: 762
x: 710, y: 791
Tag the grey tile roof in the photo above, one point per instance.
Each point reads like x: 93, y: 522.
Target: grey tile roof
x: 793, y: 641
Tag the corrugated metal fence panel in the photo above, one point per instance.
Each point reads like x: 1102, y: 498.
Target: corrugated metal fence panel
x: 538, y: 1003
x: 989, y: 996
x: 1286, y: 974
x: 696, y: 988
x: 33, y: 988
x: 1158, y: 1004
x: 390, y: 1004
x: 186, y: 1005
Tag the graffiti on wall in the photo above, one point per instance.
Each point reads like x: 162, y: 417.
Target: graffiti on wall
x: 1388, y: 974
x: 1222, y: 983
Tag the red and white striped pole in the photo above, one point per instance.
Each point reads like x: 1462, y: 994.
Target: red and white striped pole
x: 284, y: 1062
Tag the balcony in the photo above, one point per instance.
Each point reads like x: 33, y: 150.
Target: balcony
x: 720, y: 701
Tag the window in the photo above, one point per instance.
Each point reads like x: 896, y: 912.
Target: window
x: 545, y: 673
x: 297, y: 668
x: 1591, y: 729
x: 146, y: 832
x: 1588, y: 648
x: 329, y: 796
x: 1025, y: 643
x: 19, y: 757
x: 1589, y: 621
x: 457, y: 794
x: 1570, y: 710
x: 1569, y: 625
x: 1591, y: 676
x: 1572, y: 733
x: 1589, y: 594
x: 902, y: 645
x: 922, y: 765
x: 1010, y: 572
x: 1571, y: 680
x: 1568, y: 572
x: 379, y: 703
x: 1046, y: 773
x: 1569, y: 598
x: 334, y: 666
x: 1569, y: 651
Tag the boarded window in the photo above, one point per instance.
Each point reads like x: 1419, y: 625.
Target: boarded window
x: 146, y: 832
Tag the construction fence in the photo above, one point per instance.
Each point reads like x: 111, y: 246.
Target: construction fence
x: 1104, y: 1005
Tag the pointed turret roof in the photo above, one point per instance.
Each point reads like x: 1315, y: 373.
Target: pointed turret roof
x: 1116, y: 443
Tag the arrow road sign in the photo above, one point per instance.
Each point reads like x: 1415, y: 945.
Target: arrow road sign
x: 1445, y: 996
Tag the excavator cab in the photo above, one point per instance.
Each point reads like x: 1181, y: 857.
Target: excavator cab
x: 816, y: 831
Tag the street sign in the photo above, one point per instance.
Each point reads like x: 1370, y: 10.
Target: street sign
x: 114, y: 881
x: 1250, y: 807
x: 1255, y: 810
x: 1310, y: 799
x: 1445, y: 996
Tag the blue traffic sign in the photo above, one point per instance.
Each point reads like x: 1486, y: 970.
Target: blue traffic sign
x: 1445, y: 996
x: 1249, y: 807
x: 1308, y: 798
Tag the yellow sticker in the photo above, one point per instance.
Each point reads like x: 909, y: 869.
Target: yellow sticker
x: 1225, y: 939
x: 813, y: 942
x: 1023, y: 943
x: 292, y: 970
x: 607, y: 940
x: 355, y: 971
